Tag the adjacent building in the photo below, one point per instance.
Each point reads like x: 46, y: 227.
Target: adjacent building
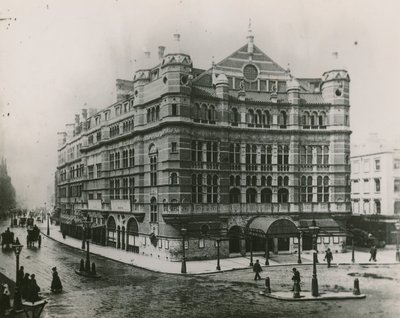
x: 243, y: 153
x: 375, y: 187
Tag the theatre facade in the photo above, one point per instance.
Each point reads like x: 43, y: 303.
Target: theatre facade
x: 242, y: 155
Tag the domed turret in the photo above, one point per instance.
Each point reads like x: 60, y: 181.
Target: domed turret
x: 293, y: 91
x: 221, y: 86
x: 335, y: 87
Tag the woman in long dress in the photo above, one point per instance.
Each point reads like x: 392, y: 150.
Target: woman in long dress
x: 56, y: 285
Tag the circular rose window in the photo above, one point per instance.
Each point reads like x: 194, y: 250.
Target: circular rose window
x: 250, y: 72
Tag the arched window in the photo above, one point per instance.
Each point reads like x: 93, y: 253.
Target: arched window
x: 153, y: 165
x: 199, y: 188
x: 306, y: 120
x: 263, y: 181
x: 111, y: 229
x: 303, y: 189
x: 254, y: 181
x: 250, y: 118
x: 266, y: 196
x: 231, y: 180
x: 157, y: 112
x: 174, y: 178
x: 319, y: 189
x: 314, y: 120
x: 209, y: 188
x: 319, y: 155
x: 322, y: 120
x: 280, y: 181
x: 251, y: 195
x: 269, y: 181
x: 211, y: 114
x: 283, y: 195
x: 248, y: 181
x: 309, y: 155
x: 153, y: 210
x: 235, y: 117
x: 148, y: 115
x: 326, y: 155
x: 234, y: 195
x: 132, y: 230
x: 326, y: 189
x: 282, y: 119
x: 237, y: 181
x: 268, y: 119
x: 153, y: 116
x: 258, y: 118
x: 286, y: 181
x: 309, y: 189
x: 203, y: 112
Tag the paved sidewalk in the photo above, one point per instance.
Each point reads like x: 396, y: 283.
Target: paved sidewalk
x: 386, y: 256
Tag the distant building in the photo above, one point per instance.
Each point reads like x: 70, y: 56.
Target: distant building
x: 375, y: 188
x: 242, y: 152
x: 375, y: 180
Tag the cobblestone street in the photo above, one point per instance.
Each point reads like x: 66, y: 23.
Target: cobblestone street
x: 126, y: 291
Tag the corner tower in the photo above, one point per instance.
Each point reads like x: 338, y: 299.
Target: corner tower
x: 335, y: 87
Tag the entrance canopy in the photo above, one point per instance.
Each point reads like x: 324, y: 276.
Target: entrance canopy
x: 272, y: 226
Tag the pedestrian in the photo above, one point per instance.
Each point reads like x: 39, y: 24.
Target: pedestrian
x: 24, y: 289
x: 373, y: 251
x: 40, y: 240
x: 5, y: 298
x: 20, y: 276
x: 328, y: 257
x: 257, y: 269
x: 296, y: 278
x: 56, y: 285
x: 33, y: 290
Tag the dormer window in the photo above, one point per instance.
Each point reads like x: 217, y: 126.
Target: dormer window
x: 107, y: 115
x: 97, y: 120
x: 117, y: 111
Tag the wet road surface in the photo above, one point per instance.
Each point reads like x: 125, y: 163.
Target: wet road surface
x: 126, y: 291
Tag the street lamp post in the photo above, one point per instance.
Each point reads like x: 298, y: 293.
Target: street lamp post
x: 17, y: 296
x: 397, y: 225
x: 299, y: 249
x: 12, y: 219
x: 218, y: 245
x: 251, y: 251
x: 183, y: 267
x: 48, y: 223
x: 86, y: 228
x: 314, y: 229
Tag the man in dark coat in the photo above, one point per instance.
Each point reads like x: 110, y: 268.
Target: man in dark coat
x: 296, y: 278
x: 257, y: 269
x: 24, y: 289
x: 373, y: 252
x: 33, y: 291
x: 20, y: 276
x: 328, y: 257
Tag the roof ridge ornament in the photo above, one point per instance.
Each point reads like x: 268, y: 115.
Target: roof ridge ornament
x: 250, y: 40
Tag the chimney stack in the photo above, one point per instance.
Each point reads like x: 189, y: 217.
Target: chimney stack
x: 77, y: 119
x: 84, y: 114
x: 161, y: 50
x: 177, y: 37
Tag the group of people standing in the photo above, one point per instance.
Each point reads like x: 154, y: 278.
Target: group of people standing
x: 27, y: 285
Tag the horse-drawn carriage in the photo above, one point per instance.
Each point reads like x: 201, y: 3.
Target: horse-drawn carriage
x: 33, y: 236
x: 7, y: 239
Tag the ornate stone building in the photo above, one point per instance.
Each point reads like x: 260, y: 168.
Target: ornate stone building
x: 242, y: 153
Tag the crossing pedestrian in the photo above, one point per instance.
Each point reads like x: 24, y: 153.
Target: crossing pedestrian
x: 24, y: 289
x: 257, y: 269
x: 33, y: 290
x: 56, y: 285
x: 296, y: 278
x: 328, y: 257
x: 373, y: 251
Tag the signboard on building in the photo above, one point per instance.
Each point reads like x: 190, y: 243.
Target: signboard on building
x: 120, y: 205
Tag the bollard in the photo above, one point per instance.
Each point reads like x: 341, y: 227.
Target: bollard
x: 93, y: 268
x: 356, y: 289
x: 82, y: 267
x: 296, y: 289
x: 267, y: 285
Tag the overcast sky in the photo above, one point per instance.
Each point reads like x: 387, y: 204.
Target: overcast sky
x: 57, y: 57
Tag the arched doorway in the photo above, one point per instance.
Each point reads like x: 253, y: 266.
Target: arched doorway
x: 276, y: 232
x: 111, y: 229
x: 235, y: 234
x: 132, y: 239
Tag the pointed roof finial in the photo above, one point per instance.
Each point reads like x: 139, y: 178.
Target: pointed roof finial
x: 250, y: 39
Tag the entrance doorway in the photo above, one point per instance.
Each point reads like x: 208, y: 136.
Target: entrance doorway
x: 234, y: 239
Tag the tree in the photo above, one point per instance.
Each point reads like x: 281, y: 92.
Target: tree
x: 7, y: 191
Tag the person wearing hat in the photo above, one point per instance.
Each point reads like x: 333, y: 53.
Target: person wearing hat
x: 5, y: 298
x: 296, y: 277
x: 56, y: 285
x: 33, y: 291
